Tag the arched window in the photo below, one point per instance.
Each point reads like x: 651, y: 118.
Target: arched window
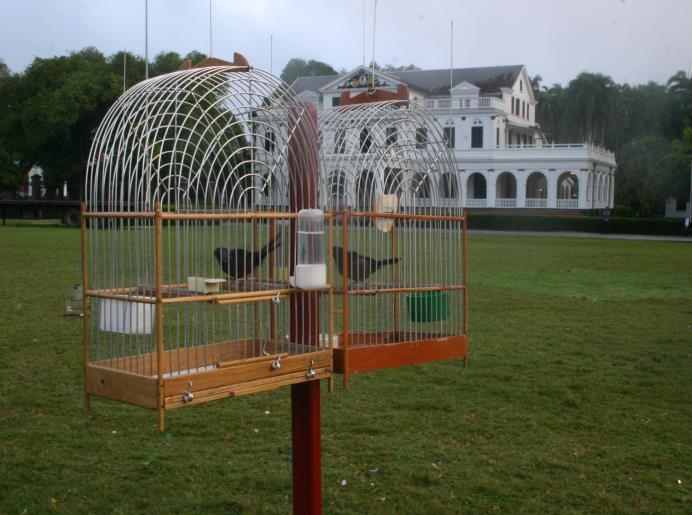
x: 393, y: 178
x: 337, y: 189
x: 365, y: 141
x: 536, y: 186
x: 506, y: 186
x: 449, y: 186
x: 421, y: 186
x: 365, y: 190
x: 568, y: 186
x: 476, y: 186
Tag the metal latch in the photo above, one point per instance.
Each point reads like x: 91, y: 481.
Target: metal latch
x: 277, y: 363
x: 311, y: 371
x: 188, y: 396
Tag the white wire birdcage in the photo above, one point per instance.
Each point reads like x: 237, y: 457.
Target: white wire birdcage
x: 193, y: 186
x: 392, y: 182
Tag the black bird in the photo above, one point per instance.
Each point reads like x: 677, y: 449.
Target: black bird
x: 237, y: 263
x: 359, y: 267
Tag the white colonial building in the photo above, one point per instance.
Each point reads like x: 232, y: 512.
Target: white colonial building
x: 489, y: 119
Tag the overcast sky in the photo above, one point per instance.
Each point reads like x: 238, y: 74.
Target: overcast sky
x: 631, y: 40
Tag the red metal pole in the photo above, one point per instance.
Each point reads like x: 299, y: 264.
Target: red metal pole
x: 305, y: 397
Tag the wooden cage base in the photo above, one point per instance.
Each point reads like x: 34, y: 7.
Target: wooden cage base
x: 367, y: 352
x: 230, y: 373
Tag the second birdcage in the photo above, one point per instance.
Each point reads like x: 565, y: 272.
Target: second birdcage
x: 399, y: 242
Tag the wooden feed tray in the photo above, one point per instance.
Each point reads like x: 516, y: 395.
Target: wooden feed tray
x: 375, y: 351
x: 210, y: 372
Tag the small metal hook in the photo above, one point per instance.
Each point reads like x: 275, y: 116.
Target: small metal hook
x: 311, y: 371
x: 277, y: 363
x: 188, y: 396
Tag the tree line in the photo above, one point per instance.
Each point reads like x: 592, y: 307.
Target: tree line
x: 648, y: 126
x: 49, y: 112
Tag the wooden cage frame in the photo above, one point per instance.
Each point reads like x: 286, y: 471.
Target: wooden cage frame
x: 394, y: 348
x: 232, y: 375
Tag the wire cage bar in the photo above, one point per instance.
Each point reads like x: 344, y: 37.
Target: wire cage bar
x: 400, y: 240
x: 193, y: 186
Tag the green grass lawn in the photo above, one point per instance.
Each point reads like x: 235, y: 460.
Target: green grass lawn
x: 577, y: 398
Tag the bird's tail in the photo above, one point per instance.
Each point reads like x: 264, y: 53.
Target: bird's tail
x: 386, y: 262
x: 276, y: 242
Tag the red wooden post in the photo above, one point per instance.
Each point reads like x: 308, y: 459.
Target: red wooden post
x: 304, y: 326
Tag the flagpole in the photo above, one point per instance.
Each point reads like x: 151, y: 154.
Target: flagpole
x: 451, y: 61
x: 362, y: 43
x: 146, y: 39
x: 374, y: 23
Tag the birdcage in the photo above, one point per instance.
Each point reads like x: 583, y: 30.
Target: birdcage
x: 195, y: 183
x: 400, y: 233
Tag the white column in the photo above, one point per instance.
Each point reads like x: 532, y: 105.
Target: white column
x: 551, y: 179
x: 521, y: 188
x: 612, y: 189
x: 490, y: 187
x: 583, y: 178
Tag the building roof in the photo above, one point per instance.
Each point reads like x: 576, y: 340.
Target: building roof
x: 311, y: 83
x: 433, y: 82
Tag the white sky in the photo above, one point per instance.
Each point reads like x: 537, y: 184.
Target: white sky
x: 631, y: 40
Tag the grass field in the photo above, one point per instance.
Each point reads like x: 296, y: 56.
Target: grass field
x: 577, y: 398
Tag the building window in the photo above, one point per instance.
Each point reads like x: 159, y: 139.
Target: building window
x: 391, y: 136
x: 497, y: 136
x: 421, y: 137
x: 523, y: 109
x: 365, y: 141
x: 449, y: 186
x: 269, y: 141
x: 335, y: 101
x: 448, y: 133
x: 339, y: 141
x: 477, y: 137
x: 393, y: 179
x: 512, y: 105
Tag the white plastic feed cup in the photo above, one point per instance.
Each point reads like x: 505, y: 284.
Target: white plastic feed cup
x: 311, y: 269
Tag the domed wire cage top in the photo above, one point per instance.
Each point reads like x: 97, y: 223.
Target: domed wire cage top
x: 400, y: 248
x: 193, y: 186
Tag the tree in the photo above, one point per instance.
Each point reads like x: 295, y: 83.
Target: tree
x: 134, y: 67
x: 10, y: 172
x: 195, y: 57
x: 300, y: 68
x: 165, y: 62
x: 592, y: 105
x: 50, y: 112
x: 4, y: 70
x: 550, y: 113
x: 646, y: 167
x: 680, y: 88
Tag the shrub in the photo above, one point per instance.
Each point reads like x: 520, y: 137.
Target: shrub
x: 617, y: 225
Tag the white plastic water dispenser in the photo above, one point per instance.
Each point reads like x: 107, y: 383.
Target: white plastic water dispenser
x: 311, y: 268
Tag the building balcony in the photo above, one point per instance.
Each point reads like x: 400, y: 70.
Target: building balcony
x: 464, y: 104
x: 541, y: 152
